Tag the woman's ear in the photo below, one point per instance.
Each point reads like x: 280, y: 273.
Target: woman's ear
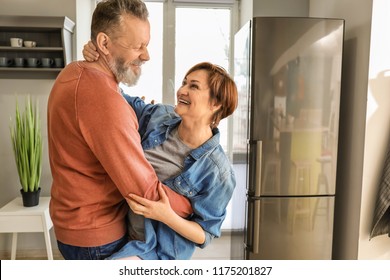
x: 102, y: 41
x: 215, y: 107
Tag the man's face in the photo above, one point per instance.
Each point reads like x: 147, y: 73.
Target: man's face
x: 129, y: 50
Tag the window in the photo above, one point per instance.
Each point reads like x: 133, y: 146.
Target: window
x: 197, y: 40
x: 184, y: 33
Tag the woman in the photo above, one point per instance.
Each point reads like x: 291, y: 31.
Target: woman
x: 182, y: 144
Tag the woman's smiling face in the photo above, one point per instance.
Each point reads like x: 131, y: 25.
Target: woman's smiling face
x: 193, y: 98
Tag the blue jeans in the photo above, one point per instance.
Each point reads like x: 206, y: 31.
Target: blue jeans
x: 70, y: 252
x: 161, y: 243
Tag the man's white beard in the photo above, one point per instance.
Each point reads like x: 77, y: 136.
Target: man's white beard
x: 124, y: 74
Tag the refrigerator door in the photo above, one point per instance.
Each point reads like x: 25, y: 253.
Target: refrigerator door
x: 295, y: 77
x: 305, y: 233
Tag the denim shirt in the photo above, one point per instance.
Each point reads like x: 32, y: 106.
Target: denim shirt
x: 207, y: 180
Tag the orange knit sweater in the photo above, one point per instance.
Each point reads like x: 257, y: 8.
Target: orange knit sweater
x: 96, y: 158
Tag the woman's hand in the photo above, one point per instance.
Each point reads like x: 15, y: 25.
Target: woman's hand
x: 161, y: 211
x: 157, y: 210
x: 151, y: 102
x: 90, y: 52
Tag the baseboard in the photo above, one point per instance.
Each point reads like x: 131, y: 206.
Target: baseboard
x: 33, y: 254
x: 231, y: 232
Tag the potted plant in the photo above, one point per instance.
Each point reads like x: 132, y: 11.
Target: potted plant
x: 26, y: 139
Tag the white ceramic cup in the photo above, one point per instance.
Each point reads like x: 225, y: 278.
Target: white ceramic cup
x: 30, y: 44
x: 16, y: 42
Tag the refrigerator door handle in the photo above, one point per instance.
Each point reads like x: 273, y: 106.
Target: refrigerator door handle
x: 256, y: 227
x: 259, y: 150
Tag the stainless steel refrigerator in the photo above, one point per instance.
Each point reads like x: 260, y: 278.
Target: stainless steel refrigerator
x: 288, y: 73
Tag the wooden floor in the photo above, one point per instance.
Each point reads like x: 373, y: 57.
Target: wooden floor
x: 219, y: 249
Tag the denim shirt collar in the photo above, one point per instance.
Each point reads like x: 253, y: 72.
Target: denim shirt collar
x: 205, y: 148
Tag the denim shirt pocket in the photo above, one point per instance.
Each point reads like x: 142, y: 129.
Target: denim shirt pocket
x: 180, y: 185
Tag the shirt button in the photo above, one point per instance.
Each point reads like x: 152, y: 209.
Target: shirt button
x: 190, y: 193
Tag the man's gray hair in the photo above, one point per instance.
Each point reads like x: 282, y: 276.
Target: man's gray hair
x: 109, y: 13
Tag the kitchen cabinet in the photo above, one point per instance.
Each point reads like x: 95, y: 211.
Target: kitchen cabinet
x: 53, y: 37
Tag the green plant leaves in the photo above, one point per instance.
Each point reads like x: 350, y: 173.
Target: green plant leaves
x: 26, y: 139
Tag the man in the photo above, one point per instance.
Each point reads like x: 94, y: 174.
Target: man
x: 94, y: 146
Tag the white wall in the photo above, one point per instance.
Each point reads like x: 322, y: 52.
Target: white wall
x: 257, y: 8
x: 84, y: 10
x: 293, y: 8
x: 377, y: 124
x: 38, y: 8
x: 246, y: 11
